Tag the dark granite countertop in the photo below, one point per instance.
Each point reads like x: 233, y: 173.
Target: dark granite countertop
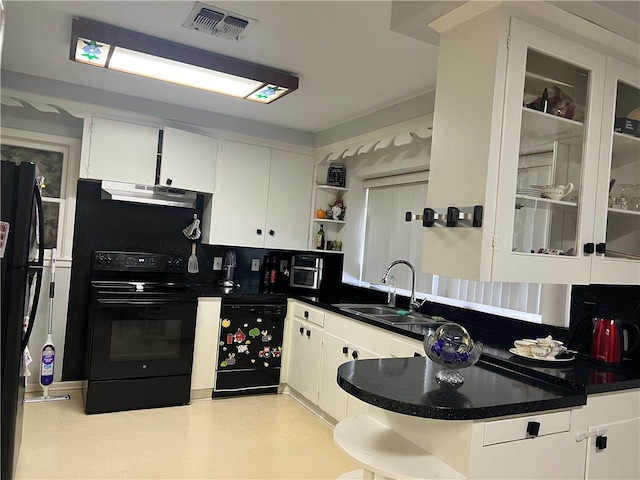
x: 499, y: 373
x: 408, y: 386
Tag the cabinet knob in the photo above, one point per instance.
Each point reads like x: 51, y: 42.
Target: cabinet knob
x: 601, y: 442
x: 354, y: 354
x: 308, y: 333
x: 589, y: 248
x: 301, y: 330
x: 259, y: 231
x: 306, y: 314
x: 169, y: 181
x: 272, y: 233
x: 601, y: 248
x: 345, y: 349
x: 533, y: 428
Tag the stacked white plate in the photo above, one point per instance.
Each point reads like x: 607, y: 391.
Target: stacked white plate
x: 529, y: 192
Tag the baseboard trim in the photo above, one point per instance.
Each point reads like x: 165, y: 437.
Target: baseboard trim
x: 54, y: 387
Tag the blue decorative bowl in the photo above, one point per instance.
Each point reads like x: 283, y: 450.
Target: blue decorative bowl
x: 451, y: 347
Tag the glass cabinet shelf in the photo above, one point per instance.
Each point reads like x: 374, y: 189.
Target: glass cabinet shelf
x: 539, y: 128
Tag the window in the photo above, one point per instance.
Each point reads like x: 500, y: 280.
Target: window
x: 57, y: 160
x: 388, y: 237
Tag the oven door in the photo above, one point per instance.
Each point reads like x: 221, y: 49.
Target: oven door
x: 134, y: 338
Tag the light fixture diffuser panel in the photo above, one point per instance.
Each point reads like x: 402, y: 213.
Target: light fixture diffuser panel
x: 90, y: 51
x: 267, y: 93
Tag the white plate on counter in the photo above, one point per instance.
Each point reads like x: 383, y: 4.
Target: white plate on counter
x: 545, y: 360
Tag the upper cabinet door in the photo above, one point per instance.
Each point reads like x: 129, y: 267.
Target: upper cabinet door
x: 122, y: 152
x: 240, y: 202
x: 617, y: 224
x: 550, y: 155
x: 532, y: 120
x: 188, y: 160
x: 290, y: 191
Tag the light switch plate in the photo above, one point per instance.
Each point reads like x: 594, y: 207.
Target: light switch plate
x: 255, y: 264
x: 217, y: 263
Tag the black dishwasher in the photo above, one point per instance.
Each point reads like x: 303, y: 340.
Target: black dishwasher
x: 250, y: 346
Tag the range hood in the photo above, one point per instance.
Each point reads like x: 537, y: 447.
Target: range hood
x: 154, y: 195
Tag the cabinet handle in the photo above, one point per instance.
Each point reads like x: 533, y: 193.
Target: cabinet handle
x: 354, y: 354
x: 601, y: 442
x: 601, y: 248
x: 345, y: 350
x: 169, y: 181
x: 533, y: 428
x: 259, y: 231
x: 309, y: 333
x: 272, y: 233
x: 306, y: 314
x: 589, y: 248
x: 301, y: 330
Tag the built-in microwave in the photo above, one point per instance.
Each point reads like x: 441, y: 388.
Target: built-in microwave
x: 306, y: 271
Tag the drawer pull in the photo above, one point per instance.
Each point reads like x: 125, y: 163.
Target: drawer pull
x: 309, y: 333
x: 533, y: 428
x: 601, y: 442
x: 301, y: 330
x: 354, y: 354
x: 345, y: 350
x: 306, y: 314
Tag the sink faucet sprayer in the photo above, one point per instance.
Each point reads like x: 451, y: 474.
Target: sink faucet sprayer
x: 412, y: 303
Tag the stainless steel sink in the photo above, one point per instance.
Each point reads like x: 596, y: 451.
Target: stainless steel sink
x: 386, y: 314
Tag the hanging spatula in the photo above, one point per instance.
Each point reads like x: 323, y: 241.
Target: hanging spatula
x: 192, y: 264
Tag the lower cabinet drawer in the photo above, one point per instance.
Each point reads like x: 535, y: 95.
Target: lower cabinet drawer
x: 303, y: 312
x: 501, y: 431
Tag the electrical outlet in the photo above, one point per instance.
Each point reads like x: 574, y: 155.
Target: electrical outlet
x: 217, y: 263
x: 255, y: 264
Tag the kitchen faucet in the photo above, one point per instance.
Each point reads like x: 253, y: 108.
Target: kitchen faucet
x: 412, y: 303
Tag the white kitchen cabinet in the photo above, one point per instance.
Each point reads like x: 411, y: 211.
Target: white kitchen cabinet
x: 205, y: 346
x: 263, y: 198
x: 618, y: 457
x: 121, y: 152
x: 127, y: 152
x: 188, y: 160
x: 490, y: 151
x: 332, y: 399
x: 617, y: 220
x: 303, y: 350
x: 608, y: 427
x: 289, y: 201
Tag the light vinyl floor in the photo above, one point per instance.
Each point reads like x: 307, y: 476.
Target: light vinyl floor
x: 252, y: 437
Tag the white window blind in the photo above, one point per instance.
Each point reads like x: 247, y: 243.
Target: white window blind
x: 389, y: 237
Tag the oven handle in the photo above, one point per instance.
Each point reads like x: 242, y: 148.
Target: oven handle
x: 164, y: 301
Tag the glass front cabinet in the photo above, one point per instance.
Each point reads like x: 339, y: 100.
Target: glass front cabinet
x: 565, y: 206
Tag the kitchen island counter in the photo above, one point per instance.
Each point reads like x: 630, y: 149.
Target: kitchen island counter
x: 408, y: 386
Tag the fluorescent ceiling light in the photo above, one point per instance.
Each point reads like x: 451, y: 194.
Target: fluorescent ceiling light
x: 125, y: 51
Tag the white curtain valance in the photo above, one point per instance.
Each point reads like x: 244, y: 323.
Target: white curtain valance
x: 375, y: 144
x: 8, y: 101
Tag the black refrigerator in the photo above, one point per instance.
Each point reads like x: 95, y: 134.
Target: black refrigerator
x: 21, y: 255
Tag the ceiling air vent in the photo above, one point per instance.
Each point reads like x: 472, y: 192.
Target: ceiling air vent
x: 216, y: 21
